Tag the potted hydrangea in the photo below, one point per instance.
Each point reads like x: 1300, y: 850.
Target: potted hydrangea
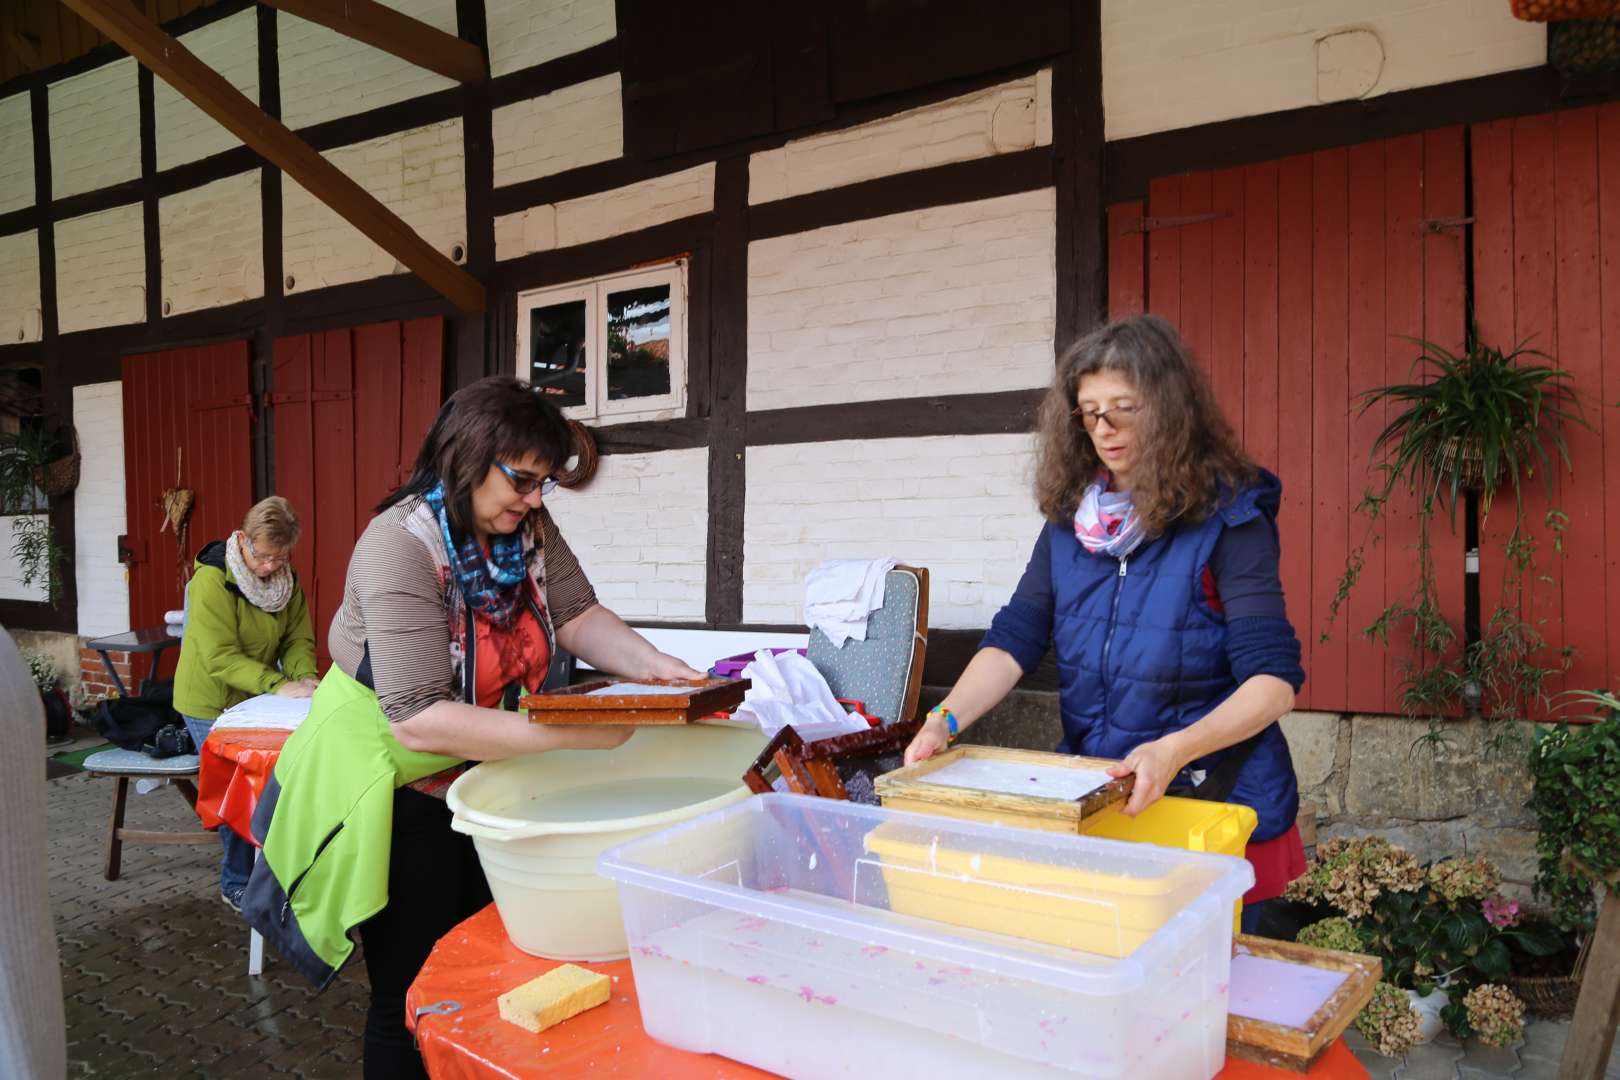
x: 1443, y: 932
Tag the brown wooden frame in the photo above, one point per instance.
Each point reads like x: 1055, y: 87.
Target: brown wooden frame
x: 821, y: 757
x: 784, y: 753
x: 578, y: 704
x: 394, y: 32
x: 910, y: 786
x: 1291, y: 1048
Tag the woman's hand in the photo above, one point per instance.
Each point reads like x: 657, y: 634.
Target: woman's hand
x: 590, y: 736
x: 303, y: 688
x: 927, y: 742
x: 665, y: 666
x: 1155, y: 765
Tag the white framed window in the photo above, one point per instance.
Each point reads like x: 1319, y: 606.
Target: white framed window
x: 612, y: 348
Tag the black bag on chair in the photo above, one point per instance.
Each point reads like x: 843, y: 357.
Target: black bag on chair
x: 134, y: 722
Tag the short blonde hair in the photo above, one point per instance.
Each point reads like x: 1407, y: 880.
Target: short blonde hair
x: 274, y: 521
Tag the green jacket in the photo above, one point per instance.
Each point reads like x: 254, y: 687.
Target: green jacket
x: 233, y: 650
x: 325, y: 821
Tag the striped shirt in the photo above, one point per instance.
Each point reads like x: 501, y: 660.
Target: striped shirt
x: 394, y: 602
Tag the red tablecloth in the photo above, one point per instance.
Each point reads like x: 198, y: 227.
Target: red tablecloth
x: 475, y: 963
x: 233, y: 767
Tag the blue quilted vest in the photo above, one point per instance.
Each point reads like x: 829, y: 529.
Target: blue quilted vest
x: 1141, y: 653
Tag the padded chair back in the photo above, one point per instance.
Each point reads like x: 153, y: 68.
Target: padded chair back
x: 885, y: 670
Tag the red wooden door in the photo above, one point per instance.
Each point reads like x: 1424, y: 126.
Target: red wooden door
x: 1296, y: 284
x: 350, y: 409
x: 188, y: 416
x: 1547, y: 270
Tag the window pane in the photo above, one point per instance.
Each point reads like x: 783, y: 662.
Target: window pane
x: 557, y: 351
x: 638, y: 343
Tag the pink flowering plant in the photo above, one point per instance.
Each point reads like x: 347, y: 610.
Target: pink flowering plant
x: 1440, y: 926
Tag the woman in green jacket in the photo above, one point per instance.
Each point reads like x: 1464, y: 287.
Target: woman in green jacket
x: 247, y: 633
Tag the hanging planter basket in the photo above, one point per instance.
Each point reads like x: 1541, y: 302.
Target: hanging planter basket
x: 60, y: 477
x: 1560, y: 10
x: 1468, y: 464
x: 1585, y: 46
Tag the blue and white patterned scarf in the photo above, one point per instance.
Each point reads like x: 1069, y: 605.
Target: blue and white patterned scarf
x: 1106, y: 522
x: 492, y: 585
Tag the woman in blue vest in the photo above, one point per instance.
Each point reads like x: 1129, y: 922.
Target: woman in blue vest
x: 1156, y: 581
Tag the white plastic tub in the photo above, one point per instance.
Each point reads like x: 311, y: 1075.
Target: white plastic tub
x: 539, y: 822
x: 765, y: 932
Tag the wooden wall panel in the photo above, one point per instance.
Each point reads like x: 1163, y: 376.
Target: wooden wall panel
x: 1547, y: 270
x: 1296, y: 284
x: 351, y: 407
x: 191, y: 407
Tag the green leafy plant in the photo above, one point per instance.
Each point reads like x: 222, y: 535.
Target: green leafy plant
x: 1576, y: 800
x: 23, y: 456
x: 1442, y: 926
x: 1473, y: 421
x: 1469, y: 421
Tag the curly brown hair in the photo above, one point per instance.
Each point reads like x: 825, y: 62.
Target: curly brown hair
x: 1188, y: 453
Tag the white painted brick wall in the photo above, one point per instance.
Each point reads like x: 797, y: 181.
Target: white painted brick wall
x: 609, y: 213
x: 418, y: 174
x: 998, y: 120
x: 1177, y: 63
x: 325, y: 75
x: 95, y: 129
x: 19, y: 288
x: 959, y: 505
x: 101, y: 269
x: 186, y: 133
x: 213, y: 244
x: 523, y: 33
x: 577, y: 125
x: 641, y: 531
x: 17, y: 162
x: 98, y: 514
x: 11, y: 586
x: 951, y: 300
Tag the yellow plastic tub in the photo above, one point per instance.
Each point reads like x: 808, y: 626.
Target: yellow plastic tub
x: 1073, y: 907
x: 1188, y: 824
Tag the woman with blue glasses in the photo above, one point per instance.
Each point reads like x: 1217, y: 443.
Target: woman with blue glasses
x: 458, y: 594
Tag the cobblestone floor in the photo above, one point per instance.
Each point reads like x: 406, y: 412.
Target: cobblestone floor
x: 154, y: 969
x: 154, y: 965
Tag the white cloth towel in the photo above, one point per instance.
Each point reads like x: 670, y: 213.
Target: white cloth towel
x: 266, y: 711
x: 172, y: 617
x: 787, y: 689
x: 840, y: 594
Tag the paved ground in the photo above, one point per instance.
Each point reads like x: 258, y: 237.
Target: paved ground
x: 155, y: 971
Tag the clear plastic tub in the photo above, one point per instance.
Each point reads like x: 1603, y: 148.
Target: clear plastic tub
x: 770, y: 932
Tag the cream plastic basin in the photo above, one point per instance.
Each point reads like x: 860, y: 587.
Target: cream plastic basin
x: 539, y: 822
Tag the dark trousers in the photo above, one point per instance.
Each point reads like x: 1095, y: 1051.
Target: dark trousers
x: 434, y: 882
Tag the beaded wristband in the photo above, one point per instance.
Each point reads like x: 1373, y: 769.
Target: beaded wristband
x: 950, y: 721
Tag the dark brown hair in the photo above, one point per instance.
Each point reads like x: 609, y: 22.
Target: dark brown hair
x: 495, y: 419
x: 1186, y: 450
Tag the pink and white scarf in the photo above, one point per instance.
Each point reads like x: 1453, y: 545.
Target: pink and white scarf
x: 1106, y: 522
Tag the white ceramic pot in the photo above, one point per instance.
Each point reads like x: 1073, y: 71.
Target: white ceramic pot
x: 539, y: 822
x: 1428, y: 1012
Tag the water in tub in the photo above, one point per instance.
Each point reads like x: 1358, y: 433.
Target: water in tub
x: 614, y: 799
x: 805, y: 1003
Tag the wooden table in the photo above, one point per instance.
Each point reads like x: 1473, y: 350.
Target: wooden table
x: 475, y: 963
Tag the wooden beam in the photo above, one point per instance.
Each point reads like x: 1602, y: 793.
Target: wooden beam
x: 393, y: 32
x: 209, y: 91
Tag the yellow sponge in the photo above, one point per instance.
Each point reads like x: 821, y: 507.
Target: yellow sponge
x: 555, y: 996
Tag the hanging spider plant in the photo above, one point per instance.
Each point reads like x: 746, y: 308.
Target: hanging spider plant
x: 1473, y: 421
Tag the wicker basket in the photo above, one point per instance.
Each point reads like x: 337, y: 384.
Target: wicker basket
x: 1585, y: 46
x: 1549, y: 996
x: 61, y: 476
x: 1470, y: 469
x: 1559, y: 10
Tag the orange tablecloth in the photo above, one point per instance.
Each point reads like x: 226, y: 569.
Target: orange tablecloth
x: 475, y: 963
x: 233, y: 767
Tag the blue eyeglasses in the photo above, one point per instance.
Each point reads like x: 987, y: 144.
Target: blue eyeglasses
x: 523, y: 482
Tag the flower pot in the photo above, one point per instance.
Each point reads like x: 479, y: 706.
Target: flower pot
x: 1428, y: 1013
x: 58, y: 713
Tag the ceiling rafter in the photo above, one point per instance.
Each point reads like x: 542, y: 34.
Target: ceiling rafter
x: 209, y: 91
x: 393, y: 32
